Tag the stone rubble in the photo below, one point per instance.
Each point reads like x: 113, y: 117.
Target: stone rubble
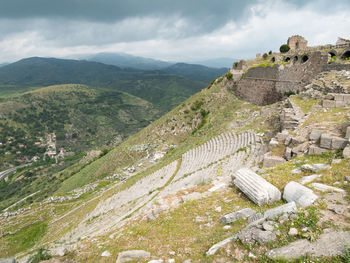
x: 234, y: 216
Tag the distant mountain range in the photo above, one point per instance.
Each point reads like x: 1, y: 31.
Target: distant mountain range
x: 127, y: 61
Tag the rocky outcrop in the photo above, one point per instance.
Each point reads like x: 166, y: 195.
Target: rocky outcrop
x: 328, y: 244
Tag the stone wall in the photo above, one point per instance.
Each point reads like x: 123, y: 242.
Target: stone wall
x: 266, y: 85
x: 258, y: 91
x: 336, y: 66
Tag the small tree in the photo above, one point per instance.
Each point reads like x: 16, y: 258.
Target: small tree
x: 270, y: 52
x: 265, y: 56
x: 284, y: 48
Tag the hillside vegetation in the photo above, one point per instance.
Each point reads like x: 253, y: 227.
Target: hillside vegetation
x: 161, y: 89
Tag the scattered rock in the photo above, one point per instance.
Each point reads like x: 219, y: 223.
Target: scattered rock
x: 227, y: 227
x: 296, y: 171
x: 271, y: 161
x: 326, y: 141
x: 339, y: 143
x: 191, y: 197
x: 234, y: 216
x: 315, y: 135
x: 340, y: 210
x: 131, y: 255
x: 7, y: 260
x: 293, y: 231
x: 309, y: 178
x: 313, y: 149
x: 251, y: 255
x: 156, y: 261
x: 336, y: 161
x: 215, y: 247
x: 328, y: 245
x: 268, y: 226
x: 287, y: 208
x: 218, y: 209
x: 106, y: 254
x: 314, y: 167
x: 255, y: 217
x: 298, y: 193
x: 288, y: 154
x: 326, y: 188
x: 346, y: 152
x: 252, y: 234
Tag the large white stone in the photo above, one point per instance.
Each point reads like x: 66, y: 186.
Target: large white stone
x: 255, y: 187
x: 298, y: 193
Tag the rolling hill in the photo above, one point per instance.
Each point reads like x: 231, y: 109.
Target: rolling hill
x: 164, y: 90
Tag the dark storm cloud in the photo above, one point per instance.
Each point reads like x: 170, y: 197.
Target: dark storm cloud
x: 208, y: 13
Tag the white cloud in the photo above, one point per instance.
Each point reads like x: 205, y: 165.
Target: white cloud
x: 267, y: 25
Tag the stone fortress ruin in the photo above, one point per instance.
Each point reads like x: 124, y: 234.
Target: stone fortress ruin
x: 267, y: 80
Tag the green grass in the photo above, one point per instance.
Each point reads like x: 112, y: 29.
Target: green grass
x: 305, y: 104
x: 22, y: 240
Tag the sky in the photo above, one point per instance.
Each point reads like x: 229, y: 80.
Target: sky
x: 173, y: 30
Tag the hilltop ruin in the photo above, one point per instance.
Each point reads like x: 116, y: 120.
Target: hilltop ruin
x: 266, y: 81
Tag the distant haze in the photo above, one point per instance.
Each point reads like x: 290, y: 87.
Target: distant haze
x: 180, y: 31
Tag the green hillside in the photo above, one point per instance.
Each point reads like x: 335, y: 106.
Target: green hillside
x: 164, y: 90
x: 81, y: 117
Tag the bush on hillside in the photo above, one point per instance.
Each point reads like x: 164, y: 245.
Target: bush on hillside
x: 284, y: 48
x: 265, y: 56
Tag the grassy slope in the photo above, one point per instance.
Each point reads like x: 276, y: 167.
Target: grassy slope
x: 177, y: 127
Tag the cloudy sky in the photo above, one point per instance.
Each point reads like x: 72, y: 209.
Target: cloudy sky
x: 176, y: 30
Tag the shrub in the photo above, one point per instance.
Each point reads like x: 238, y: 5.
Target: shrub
x: 270, y: 52
x: 289, y: 93
x: 236, y: 64
x: 41, y: 254
x: 229, y: 76
x: 265, y: 56
x: 284, y: 48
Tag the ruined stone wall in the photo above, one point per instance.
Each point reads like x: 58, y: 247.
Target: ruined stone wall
x: 266, y: 85
x: 258, y: 91
x: 270, y: 73
x: 336, y: 66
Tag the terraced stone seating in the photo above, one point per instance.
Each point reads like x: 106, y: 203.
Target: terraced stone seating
x: 213, y: 151
x: 255, y: 187
x: 115, y: 208
x: 225, y: 167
